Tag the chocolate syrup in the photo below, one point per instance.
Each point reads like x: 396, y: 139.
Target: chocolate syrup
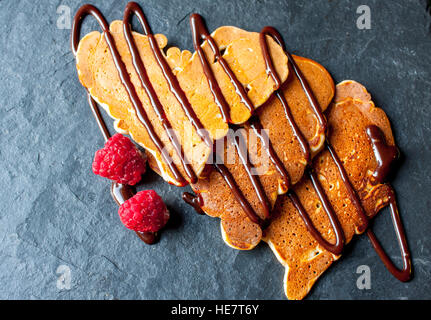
x: 256, y: 125
x: 96, y: 113
x: 279, y: 94
x: 148, y: 237
x: 240, y: 146
x: 334, y: 248
x: 133, y: 8
x: 384, y: 153
x: 271, y: 31
x: 405, y: 273
x: 119, y: 192
x: 125, y: 80
x: 171, y: 79
x: 200, y: 33
x: 296, y: 132
x: 239, y: 196
x: 354, y: 198
x: 195, y: 201
x: 335, y: 223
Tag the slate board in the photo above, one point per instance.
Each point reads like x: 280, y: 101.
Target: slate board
x: 54, y: 211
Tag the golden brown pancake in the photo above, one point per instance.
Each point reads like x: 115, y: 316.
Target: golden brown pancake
x: 237, y: 229
x: 97, y: 72
x: 296, y: 249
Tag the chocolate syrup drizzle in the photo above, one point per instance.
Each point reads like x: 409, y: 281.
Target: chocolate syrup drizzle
x: 241, y: 148
x: 195, y: 201
x: 338, y: 230
x: 200, y: 33
x: 255, y: 124
x: 354, y: 198
x: 131, y: 9
x: 271, y: 31
x: 239, y: 196
x: 336, y: 248
x: 384, y: 154
x: 119, y: 192
x: 131, y: 91
x: 171, y: 79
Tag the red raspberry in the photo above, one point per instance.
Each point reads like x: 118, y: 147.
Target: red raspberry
x: 120, y: 160
x: 145, y: 212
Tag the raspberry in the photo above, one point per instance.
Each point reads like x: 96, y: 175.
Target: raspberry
x: 145, y: 212
x: 120, y: 160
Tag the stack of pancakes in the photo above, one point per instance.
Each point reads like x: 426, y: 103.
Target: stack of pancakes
x: 348, y: 109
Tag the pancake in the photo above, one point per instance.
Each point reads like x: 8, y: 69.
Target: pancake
x: 238, y: 230
x: 98, y: 73
x: 297, y: 250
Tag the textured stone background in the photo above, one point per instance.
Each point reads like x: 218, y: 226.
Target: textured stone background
x: 54, y: 211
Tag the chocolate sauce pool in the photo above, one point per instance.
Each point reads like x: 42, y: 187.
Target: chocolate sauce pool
x: 384, y: 153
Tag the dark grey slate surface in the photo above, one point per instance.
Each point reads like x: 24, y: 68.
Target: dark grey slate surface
x: 54, y: 211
